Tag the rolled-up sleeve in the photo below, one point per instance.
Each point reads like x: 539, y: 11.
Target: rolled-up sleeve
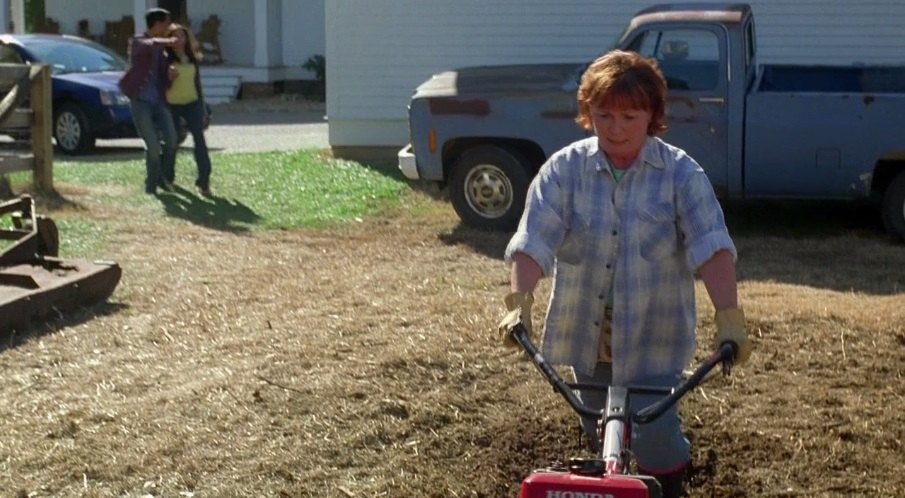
x: 541, y: 229
x: 701, y: 219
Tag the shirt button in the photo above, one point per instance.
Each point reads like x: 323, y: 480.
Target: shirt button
x: 614, y: 233
x: 596, y: 324
x: 607, y: 267
x: 600, y: 296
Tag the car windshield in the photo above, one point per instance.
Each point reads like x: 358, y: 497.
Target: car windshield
x: 75, y: 56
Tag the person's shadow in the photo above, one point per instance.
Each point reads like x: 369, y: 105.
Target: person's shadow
x: 212, y: 212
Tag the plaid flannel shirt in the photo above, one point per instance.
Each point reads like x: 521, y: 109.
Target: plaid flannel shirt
x: 646, y: 235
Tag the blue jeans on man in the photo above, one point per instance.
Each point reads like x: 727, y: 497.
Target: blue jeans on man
x: 660, y: 447
x: 193, y: 114
x: 155, y: 126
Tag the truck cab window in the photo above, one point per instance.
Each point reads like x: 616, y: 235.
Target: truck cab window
x: 689, y: 58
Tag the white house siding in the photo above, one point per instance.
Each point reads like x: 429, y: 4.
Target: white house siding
x: 831, y: 31
x: 237, y: 24
x: 303, y: 31
x: 379, y: 50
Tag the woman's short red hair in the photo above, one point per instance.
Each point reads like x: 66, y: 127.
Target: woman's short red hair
x: 624, y: 80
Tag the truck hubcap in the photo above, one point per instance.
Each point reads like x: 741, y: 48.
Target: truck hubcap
x: 488, y: 191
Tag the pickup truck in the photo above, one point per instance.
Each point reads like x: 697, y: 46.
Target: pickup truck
x: 786, y: 131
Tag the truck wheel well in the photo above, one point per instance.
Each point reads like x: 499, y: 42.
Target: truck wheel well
x: 530, y: 151
x: 884, y: 172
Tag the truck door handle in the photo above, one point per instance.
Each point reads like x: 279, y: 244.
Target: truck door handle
x: 712, y: 100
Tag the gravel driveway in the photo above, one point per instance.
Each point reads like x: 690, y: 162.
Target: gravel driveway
x: 257, y: 125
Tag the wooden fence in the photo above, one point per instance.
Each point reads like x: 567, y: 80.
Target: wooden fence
x: 21, y: 83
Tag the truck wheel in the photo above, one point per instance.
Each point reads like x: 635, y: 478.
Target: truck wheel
x: 488, y: 187
x: 894, y: 207
x: 71, y: 129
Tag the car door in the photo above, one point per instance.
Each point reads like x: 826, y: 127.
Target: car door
x: 696, y: 112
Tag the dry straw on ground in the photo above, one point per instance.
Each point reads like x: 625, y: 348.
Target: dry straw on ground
x: 358, y: 363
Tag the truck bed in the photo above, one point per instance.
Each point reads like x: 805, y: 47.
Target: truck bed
x: 814, y: 131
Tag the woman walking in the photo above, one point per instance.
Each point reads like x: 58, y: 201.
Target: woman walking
x: 186, y: 99
x: 622, y: 222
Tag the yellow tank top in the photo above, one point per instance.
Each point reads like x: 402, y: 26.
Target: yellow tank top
x: 182, y: 90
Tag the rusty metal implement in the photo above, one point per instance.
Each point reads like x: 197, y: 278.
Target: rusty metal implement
x: 34, y: 281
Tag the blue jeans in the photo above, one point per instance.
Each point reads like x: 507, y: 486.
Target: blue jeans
x: 193, y: 114
x: 660, y: 447
x: 154, y: 124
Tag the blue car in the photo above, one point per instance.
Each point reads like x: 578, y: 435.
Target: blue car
x: 87, y: 103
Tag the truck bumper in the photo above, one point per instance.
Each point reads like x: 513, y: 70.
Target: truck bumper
x: 407, y: 163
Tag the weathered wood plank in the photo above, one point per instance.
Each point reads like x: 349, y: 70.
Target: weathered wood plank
x: 19, y: 162
x: 41, y: 130
x: 15, y: 81
x: 20, y: 118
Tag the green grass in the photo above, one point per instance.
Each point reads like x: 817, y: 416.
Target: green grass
x: 255, y: 191
x: 278, y: 189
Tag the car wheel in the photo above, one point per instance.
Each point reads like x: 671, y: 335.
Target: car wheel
x: 488, y: 187
x: 71, y: 129
x: 894, y: 207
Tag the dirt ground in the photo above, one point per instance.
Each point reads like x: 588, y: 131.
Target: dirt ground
x: 359, y: 362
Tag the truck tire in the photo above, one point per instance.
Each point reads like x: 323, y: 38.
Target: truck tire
x: 894, y: 207
x: 71, y: 129
x: 488, y: 187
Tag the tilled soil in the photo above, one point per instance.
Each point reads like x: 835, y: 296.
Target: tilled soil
x: 361, y: 361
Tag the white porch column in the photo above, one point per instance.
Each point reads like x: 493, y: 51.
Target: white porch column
x: 262, y: 48
x: 13, y: 13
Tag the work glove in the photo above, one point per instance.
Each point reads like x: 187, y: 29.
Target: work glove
x: 730, y: 326
x: 519, y: 306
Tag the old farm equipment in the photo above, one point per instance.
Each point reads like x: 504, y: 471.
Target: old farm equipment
x: 34, y: 281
